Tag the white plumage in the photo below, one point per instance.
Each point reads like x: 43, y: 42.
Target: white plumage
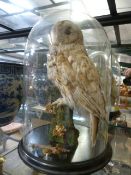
x: 73, y: 72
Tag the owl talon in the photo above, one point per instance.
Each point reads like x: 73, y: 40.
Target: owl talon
x: 59, y: 102
x: 51, y: 63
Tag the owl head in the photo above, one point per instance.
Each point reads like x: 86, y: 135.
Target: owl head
x: 66, y: 32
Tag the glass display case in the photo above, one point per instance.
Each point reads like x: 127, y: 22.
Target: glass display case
x: 115, y: 87
x: 67, y: 91
x: 116, y: 75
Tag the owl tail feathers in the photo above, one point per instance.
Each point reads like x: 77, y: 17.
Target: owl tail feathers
x: 94, y: 129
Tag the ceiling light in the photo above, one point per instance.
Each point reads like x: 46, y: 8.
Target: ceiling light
x: 95, y: 7
x: 78, y: 11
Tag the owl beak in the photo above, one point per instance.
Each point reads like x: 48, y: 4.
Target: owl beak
x: 67, y: 31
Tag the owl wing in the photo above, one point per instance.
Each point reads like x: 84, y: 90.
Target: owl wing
x: 88, y: 92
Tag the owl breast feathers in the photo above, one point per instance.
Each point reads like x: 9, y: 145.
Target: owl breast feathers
x: 73, y: 72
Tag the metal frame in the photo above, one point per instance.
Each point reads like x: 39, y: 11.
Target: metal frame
x: 120, y: 18
x: 24, y: 32
x: 107, y: 20
x: 15, y: 34
x: 5, y: 27
x: 114, y: 19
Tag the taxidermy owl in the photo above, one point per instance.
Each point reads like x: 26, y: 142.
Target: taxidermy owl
x: 75, y: 75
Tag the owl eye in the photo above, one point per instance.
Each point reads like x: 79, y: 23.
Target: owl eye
x: 67, y: 31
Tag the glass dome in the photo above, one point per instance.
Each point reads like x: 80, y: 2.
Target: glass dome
x: 67, y: 86
x: 115, y: 86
